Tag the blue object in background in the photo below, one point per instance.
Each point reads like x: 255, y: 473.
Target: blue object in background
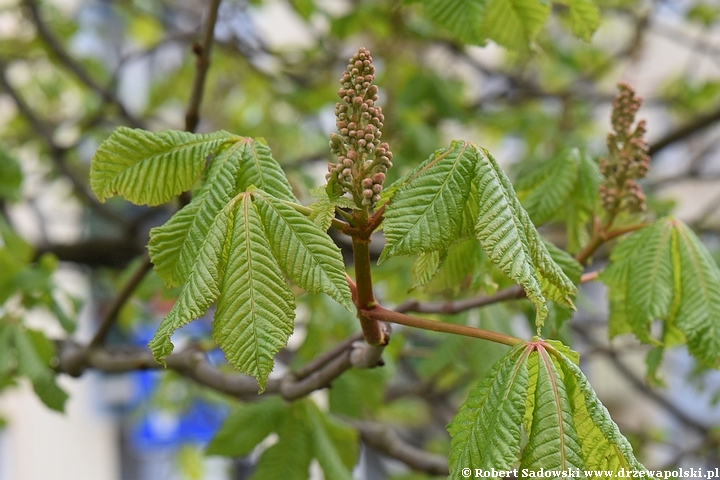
x: 160, y: 429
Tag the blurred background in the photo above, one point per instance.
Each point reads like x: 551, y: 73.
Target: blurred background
x: 73, y: 70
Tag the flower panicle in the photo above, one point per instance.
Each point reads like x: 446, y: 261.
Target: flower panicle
x: 628, y: 159
x: 362, y: 160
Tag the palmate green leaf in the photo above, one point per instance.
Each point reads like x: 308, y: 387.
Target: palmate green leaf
x: 553, y: 443
x: 174, y: 246
x: 539, y: 388
x: 425, y: 214
x: 305, y: 253
x: 514, y: 23
x: 249, y: 244
x: 584, y: 17
x: 546, y: 189
x: 34, y: 353
x: 246, y: 426
x: 255, y: 311
x: 486, y: 430
x: 430, y: 210
x: 150, y: 168
x: 664, y: 272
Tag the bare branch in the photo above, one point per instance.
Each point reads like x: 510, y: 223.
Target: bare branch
x: 457, y: 306
x: 95, y: 252
x: 700, y: 123
x: 74, y: 359
x: 112, y: 313
x: 384, y: 439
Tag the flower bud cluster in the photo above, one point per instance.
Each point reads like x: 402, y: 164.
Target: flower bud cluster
x: 628, y: 158
x: 361, y: 159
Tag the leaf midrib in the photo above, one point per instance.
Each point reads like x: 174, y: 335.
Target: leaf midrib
x: 319, y: 262
x: 553, y: 383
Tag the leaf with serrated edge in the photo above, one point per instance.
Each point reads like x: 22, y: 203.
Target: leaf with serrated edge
x: 552, y: 440
x: 486, y: 430
x: 202, y: 287
x: 426, y: 213
x: 502, y: 234
x: 546, y: 189
x: 245, y: 427
x: 150, y: 168
x: 322, y: 213
x: 650, y: 279
x: 603, y: 446
x: 174, y: 246
x: 554, y: 283
x: 259, y: 168
x: 425, y: 267
x: 565, y: 261
x: 698, y: 314
x: 305, y: 253
x: 255, y: 311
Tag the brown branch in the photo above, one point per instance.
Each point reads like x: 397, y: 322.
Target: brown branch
x: 685, y: 131
x: 95, y: 252
x: 55, y: 46
x: 384, y: 439
x: 451, y: 307
x: 381, y: 313
x: 192, y: 116
x: 457, y: 306
x: 319, y: 362
x: 74, y: 359
x: 111, y: 315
